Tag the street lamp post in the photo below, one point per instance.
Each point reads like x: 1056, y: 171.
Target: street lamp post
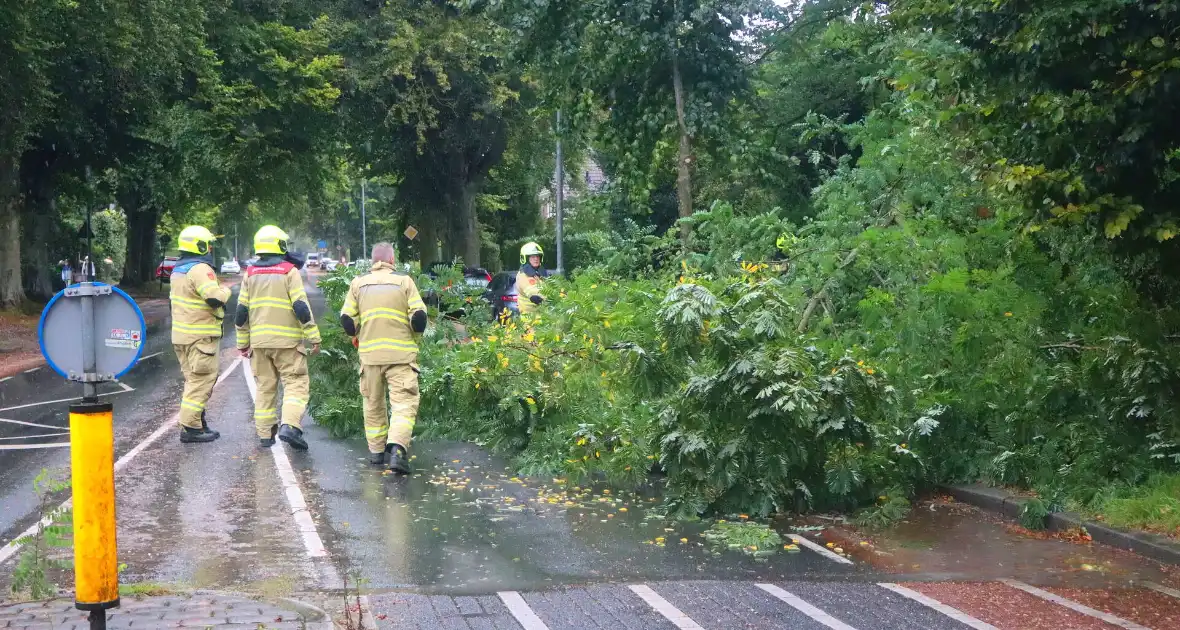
x: 560, y: 199
x: 364, y: 234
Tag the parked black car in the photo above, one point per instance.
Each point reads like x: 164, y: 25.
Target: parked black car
x: 501, y: 294
x: 475, y: 282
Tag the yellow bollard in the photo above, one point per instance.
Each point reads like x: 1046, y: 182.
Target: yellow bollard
x: 92, y: 465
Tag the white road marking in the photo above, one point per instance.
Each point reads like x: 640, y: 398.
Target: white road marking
x: 1075, y: 606
x: 32, y: 370
x: 125, y: 388
x: 9, y: 550
x: 6, y: 378
x: 39, y: 435
x: 794, y: 601
x: 1160, y: 588
x: 820, y: 549
x: 929, y: 602
x: 26, y: 447
x: 521, y: 611
x: 312, y: 542
x: 32, y: 424
x: 149, y: 356
x: 664, y: 607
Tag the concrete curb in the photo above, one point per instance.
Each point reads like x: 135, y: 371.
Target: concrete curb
x: 1157, y: 548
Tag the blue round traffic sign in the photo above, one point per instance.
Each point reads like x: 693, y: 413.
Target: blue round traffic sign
x: 117, y: 335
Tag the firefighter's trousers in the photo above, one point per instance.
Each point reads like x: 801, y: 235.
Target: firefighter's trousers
x: 198, y: 363
x: 394, y: 425
x: 272, y: 366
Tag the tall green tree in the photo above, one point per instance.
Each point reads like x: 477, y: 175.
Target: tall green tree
x: 429, y: 100
x: 663, y: 73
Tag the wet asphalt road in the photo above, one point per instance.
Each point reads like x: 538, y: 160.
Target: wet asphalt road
x: 216, y: 516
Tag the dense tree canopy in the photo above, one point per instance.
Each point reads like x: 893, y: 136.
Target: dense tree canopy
x: 967, y: 208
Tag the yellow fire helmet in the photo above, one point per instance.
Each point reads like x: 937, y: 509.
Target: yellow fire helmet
x: 530, y: 249
x: 270, y: 240
x: 195, y: 239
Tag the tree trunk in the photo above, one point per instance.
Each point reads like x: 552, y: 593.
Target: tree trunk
x: 141, y: 244
x: 428, y: 240
x: 41, y: 219
x: 448, y: 230
x: 11, y: 291
x: 467, y: 226
x: 684, y: 160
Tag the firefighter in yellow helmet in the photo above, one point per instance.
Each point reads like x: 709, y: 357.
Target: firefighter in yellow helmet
x: 530, y: 277
x: 273, y: 322
x: 198, y: 308
x: 382, y: 312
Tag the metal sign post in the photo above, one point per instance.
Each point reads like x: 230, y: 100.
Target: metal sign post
x: 93, y: 333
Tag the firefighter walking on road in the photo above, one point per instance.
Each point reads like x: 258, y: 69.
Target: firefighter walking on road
x: 198, y: 308
x: 530, y: 277
x: 273, y: 321
x: 382, y: 312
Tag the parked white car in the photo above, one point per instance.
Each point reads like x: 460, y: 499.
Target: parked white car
x: 231, y: 268
x: 329, y: 264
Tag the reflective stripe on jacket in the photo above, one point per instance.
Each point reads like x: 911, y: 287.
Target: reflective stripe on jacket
x: 381, y: 304
x: 192, y: 317
x: 269, y: 294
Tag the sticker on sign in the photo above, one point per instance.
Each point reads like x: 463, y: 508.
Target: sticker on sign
x: 410, y: 232
x: 122, y: 343
x: 121, y: 333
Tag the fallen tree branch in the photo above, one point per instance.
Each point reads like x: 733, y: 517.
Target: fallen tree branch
x: 1070, y: 345
x: 823, y: 292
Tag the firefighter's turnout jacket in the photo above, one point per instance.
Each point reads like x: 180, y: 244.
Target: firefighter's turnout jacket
x: 380, y: 306
x: 273, y: 320
x: 198, y: 308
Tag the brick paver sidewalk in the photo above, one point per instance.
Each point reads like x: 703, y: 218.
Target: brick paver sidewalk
x: 196, y: 610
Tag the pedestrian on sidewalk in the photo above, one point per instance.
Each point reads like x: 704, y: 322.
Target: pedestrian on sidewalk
x: 382, y: 312
x: 198, y: 308
x: 273, y: 322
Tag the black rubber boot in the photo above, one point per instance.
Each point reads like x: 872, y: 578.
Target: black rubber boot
x: 270, y: 441
x: 197, y: 436
x: 399, y: 461
x: 293, y: 437
x: 205, y: 427
x: 377, y: 459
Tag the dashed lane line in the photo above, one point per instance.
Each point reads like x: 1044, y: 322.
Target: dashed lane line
x: 929, y: 602
x: 27, y: 447
x: 30, y: 371
x: 665, y: 607
x: 32, y: 424
x: 6, y: 378
x: 9, y: 550
x: 521, y: 612
x: 312, y: 543
x: 1075, y: 606
x: 1160, y: 588
x: 148, y: 356
x: 827, y: 553
x: 125, y: 388
x: 38, y: 435
x: 796, y: 602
